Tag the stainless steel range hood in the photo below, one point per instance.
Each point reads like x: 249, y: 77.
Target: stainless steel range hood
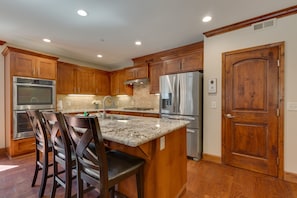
x: 140, y: 81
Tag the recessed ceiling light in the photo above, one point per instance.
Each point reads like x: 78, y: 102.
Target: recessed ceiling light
x: 206, y: 19
x: 99, y: 56
x: 46, y: 40
x: 82, y: 13
x: 138, y: 43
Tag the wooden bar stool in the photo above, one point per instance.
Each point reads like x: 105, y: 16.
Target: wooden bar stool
x: 63, y: 157
x: 43, y: 147
x: 100, y: 168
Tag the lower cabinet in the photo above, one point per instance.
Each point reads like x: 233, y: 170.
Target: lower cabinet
x: 20, y: 147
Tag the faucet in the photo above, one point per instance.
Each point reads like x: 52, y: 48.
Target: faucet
x: 103, y: 105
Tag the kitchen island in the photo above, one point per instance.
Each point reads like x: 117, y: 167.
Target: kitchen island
x: 161, y: 142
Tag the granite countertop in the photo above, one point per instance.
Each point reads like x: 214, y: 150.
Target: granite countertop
x: 134, y: 131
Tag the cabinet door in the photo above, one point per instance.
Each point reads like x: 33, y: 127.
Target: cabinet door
x: 156, y: 70
x: 142, y: 72
x: 192, y: 62
x: 124, y: 89
x: 118, y: 87
x: 102, y: 83
x: 85, y: 81
x: 137, y: 72
x: 65, y: 78
x: 130, y: 73
x: 23, y: 64
x: 172, y: 66
x: 114, y: 83
x: 46, y: 68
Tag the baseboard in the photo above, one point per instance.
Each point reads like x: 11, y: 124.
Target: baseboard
x: 290, y: 177
x: 2, y: 151
x: 211, y: 158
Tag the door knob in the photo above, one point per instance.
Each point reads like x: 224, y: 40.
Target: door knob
x: 229, y: 116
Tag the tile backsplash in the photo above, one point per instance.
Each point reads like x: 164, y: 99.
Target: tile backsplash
x: 141, y: 98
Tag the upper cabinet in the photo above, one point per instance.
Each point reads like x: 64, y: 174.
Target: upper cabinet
x: 31, y: 64
x: 156, y: 70
x: 137, y: 72
x: 65, y: 79
x: 85, y: 80
x: 184, y: 63
x: 102, y: 83
x: 117, y: 83
x: 182, y: 59
x: 73, y: 79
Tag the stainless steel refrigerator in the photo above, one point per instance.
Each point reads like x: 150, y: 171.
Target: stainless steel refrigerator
x: 181, y: 98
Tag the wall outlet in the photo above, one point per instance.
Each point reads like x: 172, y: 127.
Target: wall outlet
x: 162, y: 143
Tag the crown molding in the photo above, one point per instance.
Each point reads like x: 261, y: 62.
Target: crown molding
x: 277, y: 14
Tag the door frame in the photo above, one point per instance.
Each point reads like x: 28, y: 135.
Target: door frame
x: 281, y: 47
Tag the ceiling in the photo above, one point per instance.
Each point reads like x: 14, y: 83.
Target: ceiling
x: 112, y: 26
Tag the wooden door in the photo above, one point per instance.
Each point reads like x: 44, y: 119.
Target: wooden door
x: 251, y: 109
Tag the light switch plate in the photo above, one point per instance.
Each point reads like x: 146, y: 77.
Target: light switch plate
x: 292, y: 106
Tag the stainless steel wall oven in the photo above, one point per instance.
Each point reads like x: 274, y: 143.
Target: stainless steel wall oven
x: 30, y: 93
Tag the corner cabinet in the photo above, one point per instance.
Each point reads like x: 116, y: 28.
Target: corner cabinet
x: 18, y: 62
x: 117, y: 86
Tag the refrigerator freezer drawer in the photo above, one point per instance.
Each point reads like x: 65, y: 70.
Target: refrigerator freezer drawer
x: 194, y: 144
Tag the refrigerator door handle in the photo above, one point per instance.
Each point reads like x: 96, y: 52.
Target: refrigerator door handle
x: 177, y: 94
x: 190, y: 131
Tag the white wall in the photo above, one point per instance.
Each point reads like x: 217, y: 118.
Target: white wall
x: 2, y: 134
x: 285, y: 30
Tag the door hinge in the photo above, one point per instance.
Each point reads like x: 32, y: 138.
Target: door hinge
x: 277, y: 112
x: 278, y: 64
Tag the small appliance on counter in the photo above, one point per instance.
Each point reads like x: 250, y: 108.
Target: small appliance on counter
x: 181, y: 98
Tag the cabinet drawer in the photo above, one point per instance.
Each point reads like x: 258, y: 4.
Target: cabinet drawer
x: 22, y: 146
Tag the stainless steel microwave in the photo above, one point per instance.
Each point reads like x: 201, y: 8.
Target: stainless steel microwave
x: 33, y: 93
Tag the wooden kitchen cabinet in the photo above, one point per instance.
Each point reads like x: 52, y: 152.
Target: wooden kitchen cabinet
x: 65, y: 78
x: 31, y: 64
x: 117, y: 80
x: 102, y: 83
x: 85, y: 80
x: 18, y: 62
x: 73, y: 79
x: 137, y: 72
x: 185, y: 63
x: 156, y: 70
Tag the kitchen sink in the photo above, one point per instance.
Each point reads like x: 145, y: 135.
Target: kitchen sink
x: 115, y: 117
